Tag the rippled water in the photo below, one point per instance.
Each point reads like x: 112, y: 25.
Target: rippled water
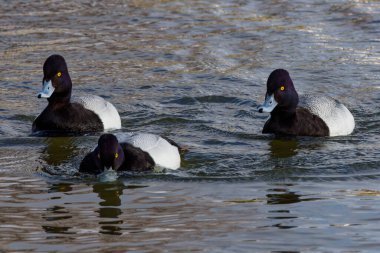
x: 193, y: 71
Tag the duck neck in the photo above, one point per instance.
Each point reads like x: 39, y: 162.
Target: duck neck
x: 62, y: 97
x: 288, y: 106
x: 284, y: 113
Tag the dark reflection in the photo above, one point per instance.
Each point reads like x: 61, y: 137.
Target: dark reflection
x: 60, y: 187
x: 57, y: 230
x: 57, y: 213
x: 283, y: 197
x: 285, y: 251
x: 59, y: 150
x: 110, y: 192
x: 280, y: 226
x: 286, y: 197
x: 109, y: 212
x: 284, y: 147
x: 110, y: 195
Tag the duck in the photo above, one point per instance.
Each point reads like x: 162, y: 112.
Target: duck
x: 64, y: 114
x: 138, y: 152
x: 305, y: 115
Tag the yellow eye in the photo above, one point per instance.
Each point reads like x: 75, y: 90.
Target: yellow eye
x: 59, y: 74
x: 116, y: 155
x: 282, y: 88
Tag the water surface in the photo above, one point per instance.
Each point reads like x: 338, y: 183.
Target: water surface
x: 193, y: 71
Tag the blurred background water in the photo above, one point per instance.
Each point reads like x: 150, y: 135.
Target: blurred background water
x: 193, y: 71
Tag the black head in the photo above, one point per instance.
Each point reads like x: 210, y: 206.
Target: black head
x: 280, y: 94
x: 109, y: 152
x: 56, y: 81
x: 54, y: 63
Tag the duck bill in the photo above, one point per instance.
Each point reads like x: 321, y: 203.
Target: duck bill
x: 268, y: 105
x: 47, y: 90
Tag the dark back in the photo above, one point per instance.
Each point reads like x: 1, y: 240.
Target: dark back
x: 136, y: 159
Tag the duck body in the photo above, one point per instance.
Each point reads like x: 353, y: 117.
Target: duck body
x: 299, y: 123
x: 336, y: 116
x: 164, y: 152
x: 135, y: 159
x: 305, y: 115
x: 70, y: 117
x: 63, y: 114
x: 126, y: 155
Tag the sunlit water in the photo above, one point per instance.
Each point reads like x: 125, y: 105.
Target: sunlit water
x: 193, y: 71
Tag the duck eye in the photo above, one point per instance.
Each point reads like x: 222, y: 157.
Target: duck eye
x: 282, y: 88
x: 59, y: 74
x: 116, y: 155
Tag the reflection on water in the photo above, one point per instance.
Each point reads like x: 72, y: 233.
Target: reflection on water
x: 57, y: 230
x: 283, y: 197
x: 59, y: 150
x: 57, y: 213
x: 61, y: 187
x: 173, y: 215
x: 283, y: 148
x: 193, y: 71
x: 110, y: 193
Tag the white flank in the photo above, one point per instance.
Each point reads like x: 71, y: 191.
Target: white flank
x: 163, y: 153
x: 105, y: 110
x: 336, y: 116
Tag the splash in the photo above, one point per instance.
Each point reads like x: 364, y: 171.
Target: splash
x: 108, y: 176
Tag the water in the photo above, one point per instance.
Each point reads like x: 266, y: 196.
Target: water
x: 193, y: 71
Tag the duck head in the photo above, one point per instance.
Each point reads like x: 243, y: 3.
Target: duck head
x: 281, y: 94
x: 109, y: 153
x: 56, y: 83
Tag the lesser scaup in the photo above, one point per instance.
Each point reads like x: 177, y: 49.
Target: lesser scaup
x: 135, y: 152
x: 89, y: 113
x: 305, y: 115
